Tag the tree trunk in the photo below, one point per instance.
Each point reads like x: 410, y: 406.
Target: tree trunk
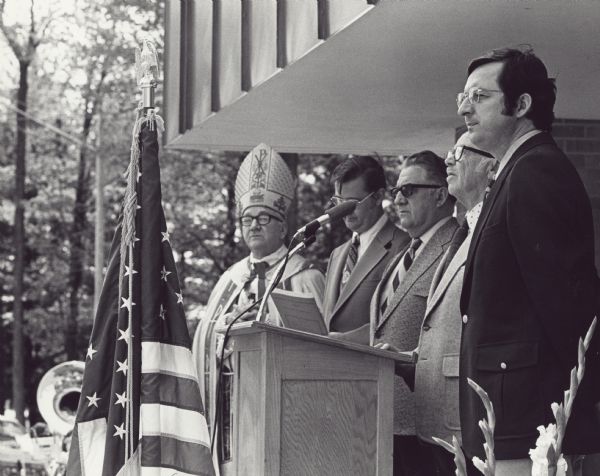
x: 232, y: 218
x: 77, y: 257
x: 99, y: 228
x: 292, y: 215
x: 18, y: 371
x: 80, y: 209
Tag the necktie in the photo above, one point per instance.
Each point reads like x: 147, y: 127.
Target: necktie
x: 409, y: 256
x: 489, y: 186
x: 260, y: 268
x: 351, y: 258
x: 407, y: 261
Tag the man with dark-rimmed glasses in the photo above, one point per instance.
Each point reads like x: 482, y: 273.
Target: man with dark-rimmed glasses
x: 355, y: 267
x: 398, y: 305
x: 264, y: 190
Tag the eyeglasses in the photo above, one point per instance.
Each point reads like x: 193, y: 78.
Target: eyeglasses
x: 408, y: 189
x: 474, y: 95
x: 262, y: 219
x: 337, y: 200
x: 457, y: 153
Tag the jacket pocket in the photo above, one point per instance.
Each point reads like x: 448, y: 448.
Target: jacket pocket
x: 507, y: 356
x: 509, y: 373
x: 450, y: 371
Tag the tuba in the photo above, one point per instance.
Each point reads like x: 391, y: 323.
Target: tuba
x: 58, y: 395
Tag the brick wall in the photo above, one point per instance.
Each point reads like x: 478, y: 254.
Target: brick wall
x: 580, y: 140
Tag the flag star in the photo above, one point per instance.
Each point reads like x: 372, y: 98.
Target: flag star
x: 135, y: 240
x: 93, y: 400
x: 121, y: 399
x: 164, y: 273
x: 127, y: 303
x: 163, y: 313
x: 120, y: 431
x: 138, y: 207
x: 139, y: 175
x: 125, y: 335
x: 128, y: 271
x: 123, y: 367
x: 90, y: 352
x: 166, y: 236
x: 179, y: 298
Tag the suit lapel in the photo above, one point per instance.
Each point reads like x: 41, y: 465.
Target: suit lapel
x: 491, y: 199
x: 336, y: 268
x: 390, y: 268
x: 432, y: 251
x: 444, y: 281
x: 373, y: 255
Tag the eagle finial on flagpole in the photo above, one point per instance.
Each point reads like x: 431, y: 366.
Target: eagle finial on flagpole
x: 146, y: 67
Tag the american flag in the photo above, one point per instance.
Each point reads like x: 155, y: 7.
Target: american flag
x: 140, y: 410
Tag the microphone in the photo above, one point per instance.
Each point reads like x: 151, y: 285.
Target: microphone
x: 334, y: 213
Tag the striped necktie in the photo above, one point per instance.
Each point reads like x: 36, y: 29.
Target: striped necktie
x: 409, y: 256
x: 260, y: 268
x: 351, y: 258
x: 407, y: 261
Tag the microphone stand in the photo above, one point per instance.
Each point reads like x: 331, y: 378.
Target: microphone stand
x: 305, y: 243
x: 220, y: 364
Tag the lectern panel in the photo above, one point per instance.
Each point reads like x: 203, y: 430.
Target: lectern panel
x: 328, y: 427
x: 250, y: 430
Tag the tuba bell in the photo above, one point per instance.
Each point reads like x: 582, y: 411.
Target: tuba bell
x: 58, y: 395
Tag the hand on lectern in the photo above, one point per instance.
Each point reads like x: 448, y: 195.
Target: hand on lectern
x: 248, y: 316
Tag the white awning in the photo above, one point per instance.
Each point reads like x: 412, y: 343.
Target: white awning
x: 387, y: 83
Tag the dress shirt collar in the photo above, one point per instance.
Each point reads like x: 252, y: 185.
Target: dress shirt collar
x: 272, y: 258
x: 425, y: 237
x: 513, y: 148
x: 366, y: 237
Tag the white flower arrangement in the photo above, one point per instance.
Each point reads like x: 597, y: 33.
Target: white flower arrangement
x: 547, y: 455
x: 544, y: 452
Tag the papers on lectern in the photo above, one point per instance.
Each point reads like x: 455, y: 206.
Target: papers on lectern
x: 299, y: 311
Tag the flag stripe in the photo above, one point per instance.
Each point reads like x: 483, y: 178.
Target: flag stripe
x: 156, y: 471
x: 184, y: 457
x: 166, y: 358
x: 91, y: 435
x: 171, y: 390
x: 185, y: 425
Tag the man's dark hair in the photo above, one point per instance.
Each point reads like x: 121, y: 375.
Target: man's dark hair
x: 365, y: 166
x: 433, y: 164
x: 523, y: 72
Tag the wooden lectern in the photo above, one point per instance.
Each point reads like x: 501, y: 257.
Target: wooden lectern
x: 309, y: 405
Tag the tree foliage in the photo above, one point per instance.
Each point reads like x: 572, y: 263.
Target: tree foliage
x: 83, y: 96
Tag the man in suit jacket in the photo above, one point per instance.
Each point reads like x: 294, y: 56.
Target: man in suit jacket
x: 436, y: 373
x: 398, y: 305
x: 530, y: 284
x: 350, y: 286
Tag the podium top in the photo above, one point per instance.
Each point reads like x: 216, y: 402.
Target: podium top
x: 251, y: 327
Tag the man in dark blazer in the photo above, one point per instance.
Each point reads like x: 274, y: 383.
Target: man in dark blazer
x: 349, y: 287
x: 398, y: 306
x: 530, y: 284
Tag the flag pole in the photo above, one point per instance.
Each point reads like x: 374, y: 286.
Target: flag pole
x: 146, y: 64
